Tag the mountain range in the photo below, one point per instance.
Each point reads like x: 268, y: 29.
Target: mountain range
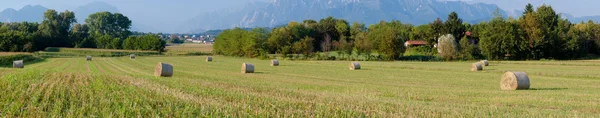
x: 278, y: 12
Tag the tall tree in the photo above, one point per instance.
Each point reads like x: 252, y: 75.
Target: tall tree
x: 116, y: 25
x: 454, y: 25
x: 78, y: 34
x: 55, y: 28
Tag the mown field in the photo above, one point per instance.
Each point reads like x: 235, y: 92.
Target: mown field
x: 187, y: 49
x: 121, y: 87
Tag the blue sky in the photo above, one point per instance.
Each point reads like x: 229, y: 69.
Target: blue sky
x: 154, y: 11
x: 575, y: 7
x: 171, y: 12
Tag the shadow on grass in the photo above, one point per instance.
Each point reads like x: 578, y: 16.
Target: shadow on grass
x: 547, y: 89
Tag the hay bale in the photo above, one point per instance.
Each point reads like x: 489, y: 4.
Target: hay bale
x: 18, y: 64
x: 247, y: 68
x: 485, y: 62
x: 476, y: 66
x: 208, y: 59
x: 88, y: 58
x: 132, y: 56
x: 354, y: 66
x: 274, y: 62
x: 163, y: 70
x: 514, y: 81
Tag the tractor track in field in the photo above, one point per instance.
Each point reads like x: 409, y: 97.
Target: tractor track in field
x: 61, y: 64
x: 68, y: 66
x: 99, y: 68
x: 116, y: 67
x: 88, y: 68
x: 128, y: 68
x: 168, y: 91
x: 43, y: 64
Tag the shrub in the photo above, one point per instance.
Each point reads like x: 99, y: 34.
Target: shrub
x: 447, y: 47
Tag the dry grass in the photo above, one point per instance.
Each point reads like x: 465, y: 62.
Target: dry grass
x: 188, y: 49
x: 12, y: 53
x: 121, y: 87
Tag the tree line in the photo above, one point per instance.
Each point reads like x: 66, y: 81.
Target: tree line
x: 538, y: 34
x: 103, y: 30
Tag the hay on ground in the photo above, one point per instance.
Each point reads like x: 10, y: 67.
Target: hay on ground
x: 208, y: 59
x: 476, y: 66
x: 354, y: 66
x: 514, y: 81
x: 18, y: 64
x: 274, y: 62
x: 132, y: 56
x: 88, y: 58
x: 247, y: 68
x: 485, y: 62
x: 163, y: 70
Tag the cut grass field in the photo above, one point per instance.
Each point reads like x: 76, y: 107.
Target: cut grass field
x: 121, y: 87
x: 183, y: 49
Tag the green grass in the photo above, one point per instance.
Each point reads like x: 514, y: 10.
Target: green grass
x: 121, y: 87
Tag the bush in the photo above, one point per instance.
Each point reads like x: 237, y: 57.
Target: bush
x: 420, y: 50
x: 7, y: 61
x: 447, y: 47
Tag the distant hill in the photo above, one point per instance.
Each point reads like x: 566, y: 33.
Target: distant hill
x: 82, y: 12
x: 28, y: 13
x: 366, y: 11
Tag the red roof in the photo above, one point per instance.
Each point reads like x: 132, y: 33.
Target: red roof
x: 468, y: 33
x: 416, y: 42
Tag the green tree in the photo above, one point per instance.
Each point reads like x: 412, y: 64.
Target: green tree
x: 502, y: 40
x: 55, y: 28
x: 454, y: 25
x: 466, y: 48
x: 362, y: 45
x: 305, y: 47
x: 280, y: 41
x: 115, y: 25
x: 388, y: 38
x: 78, y: 34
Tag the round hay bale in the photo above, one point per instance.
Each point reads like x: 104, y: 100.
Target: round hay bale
x: 476, y: 66
x: 247, y: 68
x: 354, y: 66
x: 208, y: 59
x: 274, y: 62
x: 88, y: 58
x: 514, y: 81
x: 18, y: 64
x: 485, y: 62
x: 132, y: 56
x: 163, y: 70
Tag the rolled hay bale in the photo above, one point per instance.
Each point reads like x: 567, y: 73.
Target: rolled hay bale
x: 354, y: 66
x: 247, y: 68
x: 132, y: 56
x: 163, y: 70
x: 514, y: 81
x: 274, y: 62
x: 88, y: 58
x: 476, y: 66
x: 208, y: 59
x: 18, y: 64
x: 485, y: 62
